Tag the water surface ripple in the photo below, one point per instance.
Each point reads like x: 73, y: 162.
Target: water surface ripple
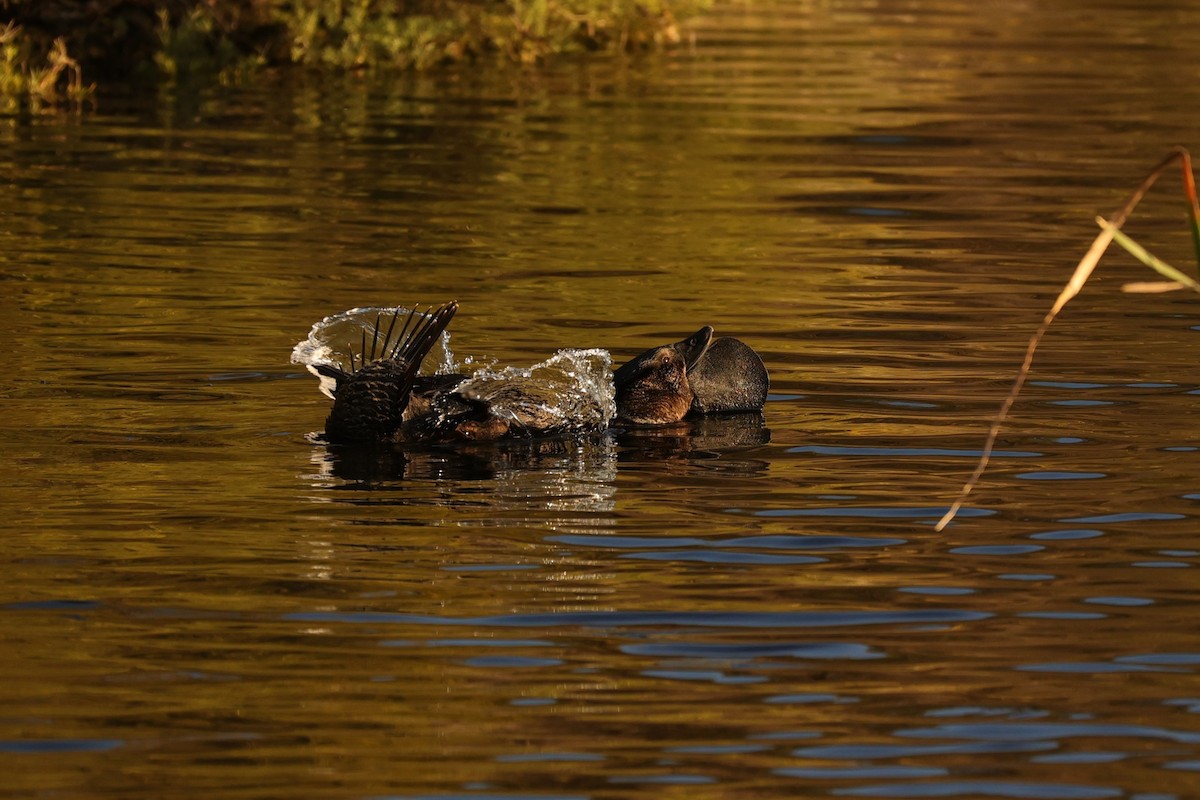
x: 880, y: 197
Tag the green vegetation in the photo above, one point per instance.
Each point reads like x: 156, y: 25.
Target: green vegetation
x: 38, y: 82
x: 361, y: 33
x: 48, y: 45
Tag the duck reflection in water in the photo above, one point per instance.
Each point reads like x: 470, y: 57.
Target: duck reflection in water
x: 696, y: 395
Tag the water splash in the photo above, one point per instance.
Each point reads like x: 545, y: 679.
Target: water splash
x: 572, y: 391
x: 332, y: 341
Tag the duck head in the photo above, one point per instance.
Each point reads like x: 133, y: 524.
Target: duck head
x: 653, y: 388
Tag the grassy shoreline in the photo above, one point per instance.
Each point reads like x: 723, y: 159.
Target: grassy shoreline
x: 54, y: 52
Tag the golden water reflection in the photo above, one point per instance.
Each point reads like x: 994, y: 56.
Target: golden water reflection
x: 880, y: 197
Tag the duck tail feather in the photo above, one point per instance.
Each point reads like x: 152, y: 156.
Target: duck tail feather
x: 413, y: 348
x: 387, y: 337
x: 375, y: 336
x: 406, y: 330
x: 416, y: 338
x: 331, y: 377
x: 330, y: 371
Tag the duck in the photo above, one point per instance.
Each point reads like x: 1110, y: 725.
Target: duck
x: 382, y: 399
x: 693, y: 377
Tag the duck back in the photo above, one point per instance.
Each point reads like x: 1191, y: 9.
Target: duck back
x: 730, y: 377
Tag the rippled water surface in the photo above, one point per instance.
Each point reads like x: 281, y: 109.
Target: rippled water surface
x: 881, y: 197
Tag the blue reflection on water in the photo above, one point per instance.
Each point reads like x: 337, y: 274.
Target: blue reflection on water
x: 1046, y: 731
x: 620, y: 619
x: 820, y: 650
x: 35, y: 746
x: 845, y: 450
x: 780, y: 541
x: 1128, y: 516
x: 1023, y: 790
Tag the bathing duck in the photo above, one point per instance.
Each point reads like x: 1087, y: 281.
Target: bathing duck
x: 382, y: 399
x: 695, y: 376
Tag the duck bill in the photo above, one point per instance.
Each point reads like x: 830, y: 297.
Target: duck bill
x: 695, y: 346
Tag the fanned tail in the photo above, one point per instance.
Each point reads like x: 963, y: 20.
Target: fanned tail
x: 369, y: 399
x: 417, y: 337
x: 414, y: 347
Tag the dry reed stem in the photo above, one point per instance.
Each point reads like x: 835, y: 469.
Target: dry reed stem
x: 1079, y: 277
x: 1151, y: 287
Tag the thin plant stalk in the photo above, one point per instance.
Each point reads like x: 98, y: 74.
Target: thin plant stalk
x: 1083, y: 271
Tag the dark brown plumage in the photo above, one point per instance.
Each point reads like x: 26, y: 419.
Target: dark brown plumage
x: 369, y: 402
x: 730, y: 377
x: 653, y: 389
